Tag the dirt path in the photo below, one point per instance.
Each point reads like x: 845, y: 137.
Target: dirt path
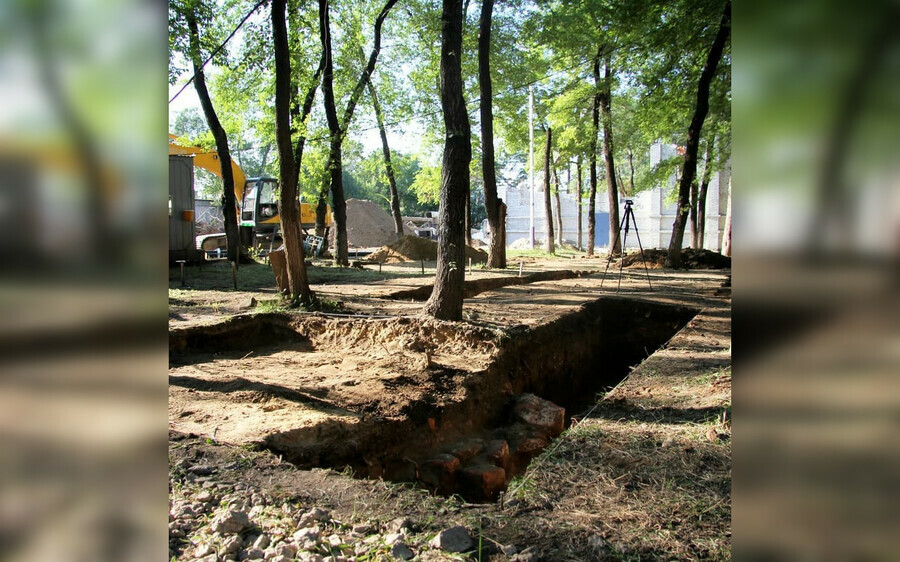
x: 655, y: 454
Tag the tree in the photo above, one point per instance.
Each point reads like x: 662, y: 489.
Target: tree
x: 548, y: 244
x: 595, y: 132
x: 337, y: 129
x: 288, y: 208
x: 229, y: 207
x: 698, y: 201
x: 388, y: 167
x: 612, y: 193
x: 446, y: 298
x: 689, y: 169
x: 496, y: 250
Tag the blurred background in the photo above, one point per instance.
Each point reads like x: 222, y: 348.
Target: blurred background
x: 83, y: 358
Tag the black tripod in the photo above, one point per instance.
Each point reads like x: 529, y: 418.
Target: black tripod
x: 627, y: 220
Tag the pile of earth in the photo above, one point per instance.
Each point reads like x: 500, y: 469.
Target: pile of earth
x: 525, y: 244
x: 416, y: 248
x: 690, y: 259
x: 368, y: 225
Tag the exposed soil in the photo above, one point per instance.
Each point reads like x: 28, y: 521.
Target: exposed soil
x: 381, y: 395
x: 368, y: 225
x: 690, y: 259
x: 416, y: 248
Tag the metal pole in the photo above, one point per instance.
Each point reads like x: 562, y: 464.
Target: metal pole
x: 531, y: 158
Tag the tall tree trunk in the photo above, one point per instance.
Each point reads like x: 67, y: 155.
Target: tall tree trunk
x: 338, y: 203
x: 299, y: 115
x: 263, y: 159
x: 496, y: 250
x: 548, y: 243
x: 673, y: 256
x: 558, y: 209
x: 726, y: 236
x: 612, y: 190
x: 446, y: 298
x: 631, y: 169
x: 388, y: 167
x: 692, y: 218
x: 701, y: 198
x: 228, y: 208
x: 103, y: 242
x: 288, y: 208
x: 339, y: 130
x: 579, y: 200
x: 595, y: 132
x: 468, y: 229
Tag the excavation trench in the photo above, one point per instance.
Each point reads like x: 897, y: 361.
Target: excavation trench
x: 452, y: 407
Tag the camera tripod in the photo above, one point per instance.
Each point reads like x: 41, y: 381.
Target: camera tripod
x: 627, y: 220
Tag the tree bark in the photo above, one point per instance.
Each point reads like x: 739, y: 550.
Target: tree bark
x: 595, y: 132
x: 612, y: 190
x: 338, y: 131
x: 388, y: 167
x: 446, y: 298
x: 468, y: 229
x: 700, y: 232
x: 579, y: 201
x: 631, y: 168
x: 558, y: 208
x: 726, y: 236
x: 229, y: 209
x: 335, y: 171
x: 288, y: 207
x: 496, y: 250
x: 548, y: 243
x: 689, y: 170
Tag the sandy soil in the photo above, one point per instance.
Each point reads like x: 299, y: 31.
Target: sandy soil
x: 382, y: 360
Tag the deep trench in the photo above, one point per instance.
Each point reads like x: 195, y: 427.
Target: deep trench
x: 458, y: 448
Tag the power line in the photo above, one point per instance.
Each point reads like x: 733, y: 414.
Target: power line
x: 219, y: 48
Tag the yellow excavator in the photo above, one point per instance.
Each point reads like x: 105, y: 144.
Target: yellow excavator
x: 258, y: 216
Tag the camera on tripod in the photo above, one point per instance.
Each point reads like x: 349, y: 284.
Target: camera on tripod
x: 629, y: 202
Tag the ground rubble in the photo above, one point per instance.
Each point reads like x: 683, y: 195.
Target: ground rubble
x: 644, y: 475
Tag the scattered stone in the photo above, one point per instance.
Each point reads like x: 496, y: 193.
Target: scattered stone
x: 393, y: 538
x: 668, y: 443
x: 201, y: 470
x: 509, y: 549
x: 362, y: 529
x: 314, y: 514
x: 400, y: 523
x: 250, y: 303
x: 335, y: 541
x: 261, y: 542
x: 307, y: 534
x: 253, y: 554
x: 205, y: 496
x: 231, y: 545
x: 596, y: 542
x: 540, y: 414
x: 231, y: 522
x: 454, y: 539
x: 203, y: 549
x: 208, y: 558
x: 256, y: 511
x: 401, y: 551
x: 257, y: 500
x: 286, y: 550
x: 530, y: 554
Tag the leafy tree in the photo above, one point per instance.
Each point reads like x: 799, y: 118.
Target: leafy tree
x: 298, y: 282
x: 188, y: 14
x: 673, y: 256
x: 446, y: 298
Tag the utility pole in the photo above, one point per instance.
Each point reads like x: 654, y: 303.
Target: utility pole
x: 531, y: 157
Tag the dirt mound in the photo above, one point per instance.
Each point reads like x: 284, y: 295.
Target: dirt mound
x: 415, y: 248
x: 368, y: 225
x: 690, y: 259
x: 525, y: 244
